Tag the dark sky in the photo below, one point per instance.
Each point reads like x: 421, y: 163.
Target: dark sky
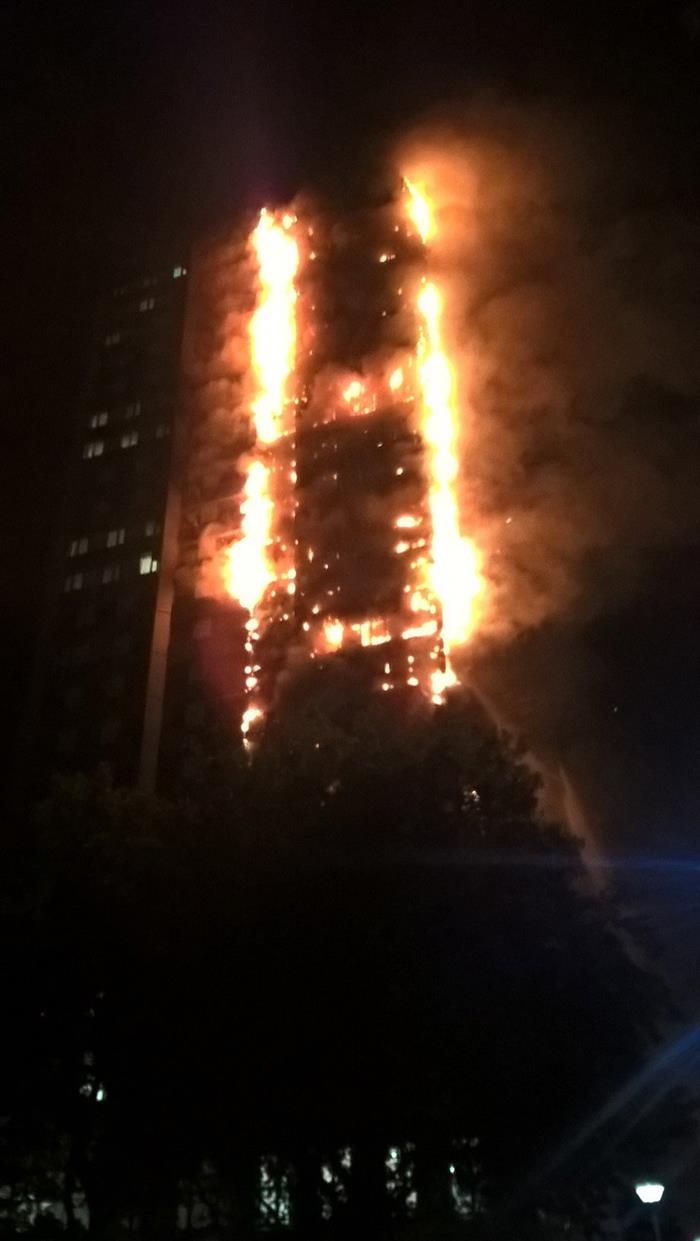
x: 130, y: 126
x: 134, y: 125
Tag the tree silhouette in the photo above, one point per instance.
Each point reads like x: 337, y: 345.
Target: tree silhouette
x: 355, y: 985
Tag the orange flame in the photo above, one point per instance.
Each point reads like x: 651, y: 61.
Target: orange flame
x: 421, y: 211
x: 333, y: 632
x: 249, y: 572
x: 252, y: 560
x: 396, y: 379
x: 455, y: 570
x: 273, y: 326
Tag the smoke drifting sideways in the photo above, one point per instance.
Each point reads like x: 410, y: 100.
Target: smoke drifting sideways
x: 571, y: 304
x: 572, y: 279
x: 570, y: 283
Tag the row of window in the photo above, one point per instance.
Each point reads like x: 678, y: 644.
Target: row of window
x: 115, y: 338
x: 113, y: 538
x: 109, y: 573
x: 102, y: 418
x: 96, y: 448
x: 149, y: 281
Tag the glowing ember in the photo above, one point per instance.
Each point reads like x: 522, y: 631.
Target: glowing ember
x: 406, y: 522
x: 396, y: 379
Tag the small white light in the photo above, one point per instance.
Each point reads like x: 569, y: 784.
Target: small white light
x: 649, y: 1192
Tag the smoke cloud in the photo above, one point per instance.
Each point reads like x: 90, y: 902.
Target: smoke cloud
x: 573, y: 293
x: 572, y: 269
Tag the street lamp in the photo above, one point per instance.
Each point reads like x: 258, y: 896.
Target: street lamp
x: 651, y: 1193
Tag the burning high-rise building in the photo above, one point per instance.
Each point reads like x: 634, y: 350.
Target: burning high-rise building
x: 311, y: 521
x: 321, y: 517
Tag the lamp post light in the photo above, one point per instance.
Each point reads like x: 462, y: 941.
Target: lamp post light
x: 651, y: 1193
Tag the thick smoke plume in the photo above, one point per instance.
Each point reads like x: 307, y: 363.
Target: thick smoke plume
x: 571, y: 290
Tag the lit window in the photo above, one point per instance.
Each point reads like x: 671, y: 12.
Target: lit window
x: 113, y: 339
x: 133, y: 410
x: 129, y: 439
x: 93, y: 448
x: 162, y: 430
x: 148, y: 564
x: 179, y: 271
x: 78, y: 547
x: 115, y: 537
x: 147, y: 303
x: 110, y: 573
x: 74, y: 582
x: 151, y: 527
x: 99, y: 420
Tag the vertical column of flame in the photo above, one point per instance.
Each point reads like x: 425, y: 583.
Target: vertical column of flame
x: 259, y: 563
x: 454, y: 573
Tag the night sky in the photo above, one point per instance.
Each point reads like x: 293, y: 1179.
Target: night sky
x: 133, y: 126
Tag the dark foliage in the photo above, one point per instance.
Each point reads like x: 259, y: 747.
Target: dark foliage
x: 364, y: 938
